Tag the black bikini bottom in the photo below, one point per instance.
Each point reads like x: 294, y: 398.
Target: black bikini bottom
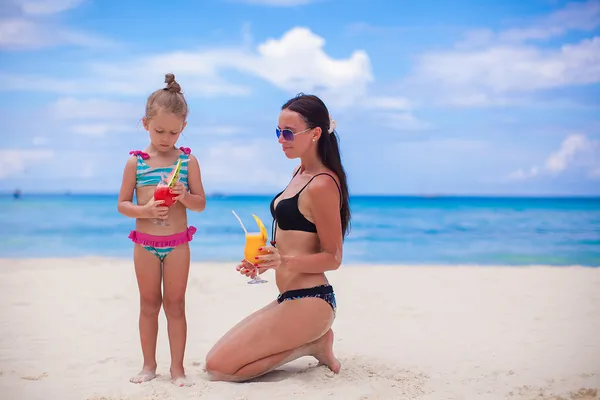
x: 324, y: 292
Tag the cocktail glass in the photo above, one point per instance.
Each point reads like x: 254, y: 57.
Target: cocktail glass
x: 163, y: 191
x: 254, y: 241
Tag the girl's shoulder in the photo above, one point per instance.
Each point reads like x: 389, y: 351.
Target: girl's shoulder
x: 144, y: 155
x: 186, y: 150
x: 139, y: 153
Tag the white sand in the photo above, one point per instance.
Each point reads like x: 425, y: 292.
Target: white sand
x: 68, y: 330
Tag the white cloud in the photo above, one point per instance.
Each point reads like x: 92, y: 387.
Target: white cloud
x: 96, y: 117
x: 559, y: 160
x: 22, y: 33
x: 403, y: 121
x: 514, y: 69
x: 109, y: 81
x: 295, y: 62
x: 32, y: 24
x: 595, y: 173
x: 69, y: 108
x: 575, y: 16
x: 214, y: 130
x: 576, y: 150
x: 39, y: 140
x: 388, y: 103
x: 100, y: 129
x: 394, y: 112
x: 498, y: 68
x: 251, y: 167
x: 522, y: 174
x: 44, y: 7
x: 14, y: 162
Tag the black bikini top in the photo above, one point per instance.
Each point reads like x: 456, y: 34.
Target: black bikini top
x: 288, y: 216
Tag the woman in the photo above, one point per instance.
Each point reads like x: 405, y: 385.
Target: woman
x: 310, y: 218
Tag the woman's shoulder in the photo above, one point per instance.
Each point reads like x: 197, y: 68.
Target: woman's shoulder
x: 327, y: 174
x: 324, y: 183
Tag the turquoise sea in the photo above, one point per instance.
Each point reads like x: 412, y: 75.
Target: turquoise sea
x: 415, y: 230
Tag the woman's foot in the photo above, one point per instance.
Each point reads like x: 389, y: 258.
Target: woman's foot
x: 146, y: 374
x: 323, y: 351
x: 178, y: 377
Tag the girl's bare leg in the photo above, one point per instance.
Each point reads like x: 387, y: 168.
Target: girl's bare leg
x: 176, y: 272
x: 148, y: 273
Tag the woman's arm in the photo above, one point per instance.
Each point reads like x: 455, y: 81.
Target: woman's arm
x: 195, y: 199
x: 324, y: 200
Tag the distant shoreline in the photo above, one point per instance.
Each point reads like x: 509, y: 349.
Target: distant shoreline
x: 25, y: 194
x: 220, y: 263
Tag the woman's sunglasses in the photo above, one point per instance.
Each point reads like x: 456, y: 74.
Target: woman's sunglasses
x: 287, y: 134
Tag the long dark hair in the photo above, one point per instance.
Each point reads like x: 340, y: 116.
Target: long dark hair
x: 315, y: 113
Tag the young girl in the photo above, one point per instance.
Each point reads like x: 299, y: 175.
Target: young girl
x: 161, y: 252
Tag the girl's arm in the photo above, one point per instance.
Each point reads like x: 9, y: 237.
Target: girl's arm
x: 324, y: 198
x: 126, y: 206
x: 195, y: 199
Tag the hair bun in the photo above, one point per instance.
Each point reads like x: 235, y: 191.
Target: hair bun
x: 172, y: 85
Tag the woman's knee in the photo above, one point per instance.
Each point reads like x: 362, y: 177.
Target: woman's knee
x: 174, y: 307
x: 150, y: 305
x: 217, y: 365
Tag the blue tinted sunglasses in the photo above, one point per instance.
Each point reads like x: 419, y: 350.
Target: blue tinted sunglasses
x: 287, y: 134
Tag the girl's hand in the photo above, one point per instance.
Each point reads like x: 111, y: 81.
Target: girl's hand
x: 180, y: 190
x: 154, y: 209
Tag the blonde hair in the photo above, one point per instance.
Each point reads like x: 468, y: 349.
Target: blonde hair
x: 168, y: 98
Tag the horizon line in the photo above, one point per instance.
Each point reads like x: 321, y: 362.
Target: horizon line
x: 389, y: 195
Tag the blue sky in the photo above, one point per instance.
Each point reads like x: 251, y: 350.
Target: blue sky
x: 430, y: 97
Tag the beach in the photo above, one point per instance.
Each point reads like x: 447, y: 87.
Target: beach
x: 68, y: 330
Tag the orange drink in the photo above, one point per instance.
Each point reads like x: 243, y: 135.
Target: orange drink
x: 254, y: 241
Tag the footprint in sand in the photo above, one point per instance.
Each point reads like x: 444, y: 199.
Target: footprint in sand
x: 584, y: 394
x: 107, y: 398
x: 106, y: 359
x: 34, y: 377
x: 382, y: 378
x: 527, y: 392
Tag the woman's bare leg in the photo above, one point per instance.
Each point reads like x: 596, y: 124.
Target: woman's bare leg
x: 240, y: 325
x: 321, y: 349
x: 176, y: 272
x: 148, y: 273
x: 278, y: 335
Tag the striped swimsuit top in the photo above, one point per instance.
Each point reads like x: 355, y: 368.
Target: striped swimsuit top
x: 151, y: 176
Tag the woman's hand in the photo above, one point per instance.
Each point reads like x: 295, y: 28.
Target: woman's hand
x: 270, y: 257
x: 245, y: 268
x: 154, y: 209
x: 179, y: 190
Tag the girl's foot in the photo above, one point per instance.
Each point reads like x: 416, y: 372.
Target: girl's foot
x: 183, y: 381
x: 178, y: 377
x: 145, y: 375
x: 323, y: 351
